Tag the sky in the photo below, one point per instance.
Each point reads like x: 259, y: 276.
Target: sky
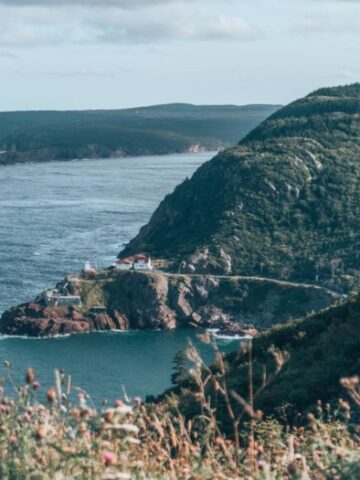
x: 85, y: 54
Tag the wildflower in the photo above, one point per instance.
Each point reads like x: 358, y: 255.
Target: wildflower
x: 36, y: 385
x: 118, y: 403
x: 109, y: 415
x: 26, y: 417
x: 51, y: 395
x: 75, y: 413
x: 13, y: 439
x: 109, y: 458
x: 124, y: 409
x: 30, y: 376
x: 40, y: 433
x: 262, y: 464
x: 137, y: 400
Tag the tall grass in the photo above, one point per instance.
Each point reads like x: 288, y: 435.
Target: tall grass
x: 45, y: 435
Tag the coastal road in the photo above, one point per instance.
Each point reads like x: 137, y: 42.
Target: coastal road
x: 258, y: 279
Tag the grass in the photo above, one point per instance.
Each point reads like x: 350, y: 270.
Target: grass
x: 46, y: 435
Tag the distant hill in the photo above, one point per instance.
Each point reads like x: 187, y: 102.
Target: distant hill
x: 283, y: 203
x: 173, y: 128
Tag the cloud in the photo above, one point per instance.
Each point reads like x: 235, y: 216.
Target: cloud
x: 10, y: 55
x: 348, y: 75
x: 126, y: 4
x: 160, y: 22
x: 170, y: 24
x: 330, y: 16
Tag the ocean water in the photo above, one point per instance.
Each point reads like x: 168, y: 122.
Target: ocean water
x: 54, y: 216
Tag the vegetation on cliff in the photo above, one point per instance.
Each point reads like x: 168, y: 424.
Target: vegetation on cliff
x: 174, y: 128
x: 283, y: 203
x: 319, y: 350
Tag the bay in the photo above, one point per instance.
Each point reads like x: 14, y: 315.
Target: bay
x: 54, y: 216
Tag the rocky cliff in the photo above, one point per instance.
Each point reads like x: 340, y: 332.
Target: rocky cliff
x: 134, y: 300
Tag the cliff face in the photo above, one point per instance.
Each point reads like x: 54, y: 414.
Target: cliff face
x: 281, y: 204
x: 135, y: 300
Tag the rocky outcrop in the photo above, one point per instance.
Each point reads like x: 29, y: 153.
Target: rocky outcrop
x: 135, y: 300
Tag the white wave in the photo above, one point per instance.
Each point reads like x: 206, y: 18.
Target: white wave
x: 230, y: 338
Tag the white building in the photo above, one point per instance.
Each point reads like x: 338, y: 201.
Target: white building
x: 137, y: 262
x: 54, y: 298
x: 125, y: 264
x: 87, y: 267
x: 142, y: 262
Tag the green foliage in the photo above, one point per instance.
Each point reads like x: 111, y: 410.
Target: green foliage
x: 322, y: 349
x: 160, y: 129
x: 284, y: 203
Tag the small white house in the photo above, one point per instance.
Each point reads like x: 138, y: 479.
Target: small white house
x: 125, y: 264
x: 53, y: 298
x: 137, y: 262
x: 142, y: 262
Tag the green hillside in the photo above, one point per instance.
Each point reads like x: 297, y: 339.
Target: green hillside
x: 283, y: 203
x: 321, y: 349
x: 173, y: 128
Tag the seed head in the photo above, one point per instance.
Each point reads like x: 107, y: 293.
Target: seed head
x: 51, y: 395
x: 30, y: 376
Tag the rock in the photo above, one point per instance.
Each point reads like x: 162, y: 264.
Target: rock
x: 226, y: 262
x: 121, y: 321
x: 139, y: 300
x: 235, y: 329
x: 196, y: 318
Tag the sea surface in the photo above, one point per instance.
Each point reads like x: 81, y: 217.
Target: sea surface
x: 54, y: 216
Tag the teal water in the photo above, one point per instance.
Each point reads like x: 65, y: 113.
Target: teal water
x: 103, y: 363
x: 53, y: 217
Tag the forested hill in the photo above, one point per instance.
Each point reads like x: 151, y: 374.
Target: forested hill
x: 283, y: 203
x: 173, y: 128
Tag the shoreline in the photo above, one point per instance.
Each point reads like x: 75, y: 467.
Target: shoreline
x: 99, y: 158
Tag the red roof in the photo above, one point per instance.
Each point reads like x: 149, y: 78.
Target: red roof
x: 141, y: 257
x: 125, y: 261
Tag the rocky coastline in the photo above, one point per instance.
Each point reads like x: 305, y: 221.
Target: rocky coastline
x: 114, y: 300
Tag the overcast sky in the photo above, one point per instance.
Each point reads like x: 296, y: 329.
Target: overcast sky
x: 75, y: 54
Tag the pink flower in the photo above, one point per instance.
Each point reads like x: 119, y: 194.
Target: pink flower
x: 118, y: 403
x: 137, y: 400
x: 109, y: 458
x: 262, y: 464
x: 26, y: 417
x: 13, y: 439
x: 36, y: 385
